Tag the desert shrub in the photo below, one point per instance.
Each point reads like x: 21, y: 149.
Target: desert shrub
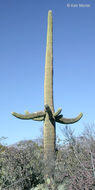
x: 22, y: 165
x: 75, y: 163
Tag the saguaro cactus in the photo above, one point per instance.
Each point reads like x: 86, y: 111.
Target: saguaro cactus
x: 48, y: 115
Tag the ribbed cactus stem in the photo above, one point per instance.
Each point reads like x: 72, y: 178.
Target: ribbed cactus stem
x: 49, y: 123
x: 48, y: 81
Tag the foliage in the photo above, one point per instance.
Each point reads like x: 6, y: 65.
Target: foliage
x: 43, y: 187
x: 76, y: 161
x: 22, y: 165
x: 2, y: 149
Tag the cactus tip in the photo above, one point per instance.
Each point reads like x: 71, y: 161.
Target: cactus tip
x: 50, y: 11
x: 81, y: 114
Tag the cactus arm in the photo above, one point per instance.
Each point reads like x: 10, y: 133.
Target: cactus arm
x: 58, y: 117
x: 36, y: 118
x: 39, y: 118
x: 34, y: 115
x: 58, y: 112
x: 69, y: 121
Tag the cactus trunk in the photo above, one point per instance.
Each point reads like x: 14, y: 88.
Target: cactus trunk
x: 49, y: 122
x: 48, y: 82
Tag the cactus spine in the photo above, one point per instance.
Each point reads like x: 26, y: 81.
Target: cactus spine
x: 48, y: 115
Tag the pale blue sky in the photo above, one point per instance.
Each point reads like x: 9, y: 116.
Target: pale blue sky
x: 23, y: 28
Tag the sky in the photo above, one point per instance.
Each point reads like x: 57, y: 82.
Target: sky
x: 23, y: 30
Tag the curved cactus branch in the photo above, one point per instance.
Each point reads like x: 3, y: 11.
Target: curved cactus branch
x: 35, y: 119
x: 58, y: 117
x: 39, y: 118
x: 68, y: 121
x: 58, y: 112
x: 34, y: 115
